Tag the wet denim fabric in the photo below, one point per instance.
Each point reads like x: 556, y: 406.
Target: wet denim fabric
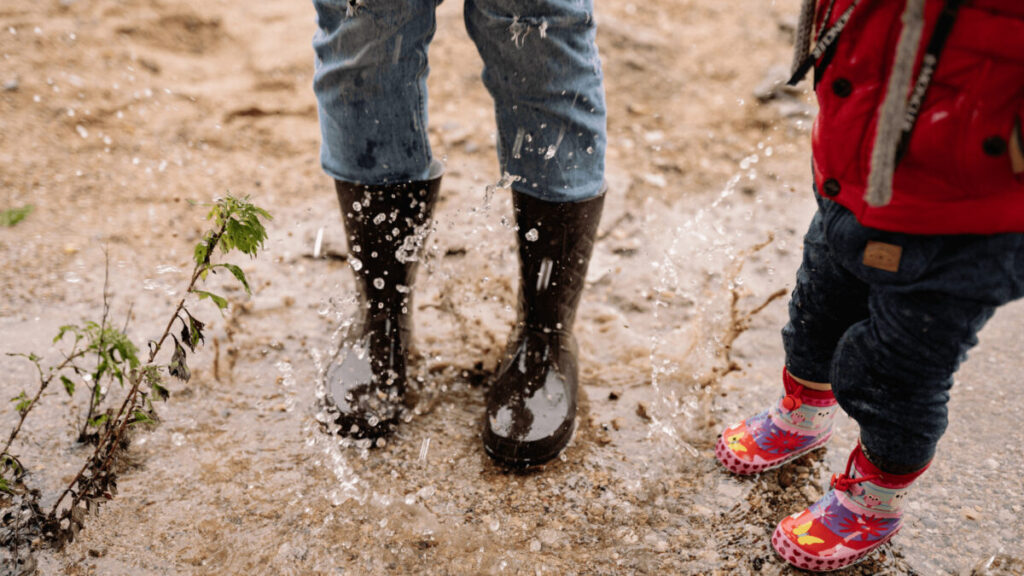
x: 889, y: 342
x: 541, y: 67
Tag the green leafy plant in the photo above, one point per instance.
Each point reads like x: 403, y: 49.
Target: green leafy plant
x: 237, y: 225
x: 12, y: 216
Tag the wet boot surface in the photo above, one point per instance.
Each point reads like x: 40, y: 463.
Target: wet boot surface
x: 531, y: 406
x: 386, y: 228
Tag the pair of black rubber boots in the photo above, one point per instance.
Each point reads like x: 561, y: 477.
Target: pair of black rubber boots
x: 531, y: 402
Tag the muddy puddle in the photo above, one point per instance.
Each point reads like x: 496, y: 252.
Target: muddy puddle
x: 240, y: 478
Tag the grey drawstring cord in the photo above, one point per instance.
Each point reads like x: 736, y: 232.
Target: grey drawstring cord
x: 804, y: 28
x: 894, y: 107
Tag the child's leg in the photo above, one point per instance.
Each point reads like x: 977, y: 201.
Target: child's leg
x: 929, y: 297
x: 892, y: 373
x: 826, y: 301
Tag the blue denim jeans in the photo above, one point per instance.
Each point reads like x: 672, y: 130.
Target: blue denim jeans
x: 890, y: 341
x: 541, y: 66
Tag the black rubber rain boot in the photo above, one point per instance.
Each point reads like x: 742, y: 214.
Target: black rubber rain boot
x: 531, y: 405
x: 387, y: 227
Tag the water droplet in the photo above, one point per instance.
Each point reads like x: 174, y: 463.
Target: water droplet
x: 357, y: 207
x: 532, y: 235
x: 378, y: 283
x: 379, y: 218
x: 356, y: 264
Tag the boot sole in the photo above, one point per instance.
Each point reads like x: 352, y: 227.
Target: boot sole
x: 518, y: 461
x: 792, y: 554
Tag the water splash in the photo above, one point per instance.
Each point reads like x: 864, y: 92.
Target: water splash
x: 700, y: 266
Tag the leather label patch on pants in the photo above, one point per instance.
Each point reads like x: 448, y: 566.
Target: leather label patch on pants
x: 883, y: 256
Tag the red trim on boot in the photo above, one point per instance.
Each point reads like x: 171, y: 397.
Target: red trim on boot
x: 865, y: 468
x: 805, y: 394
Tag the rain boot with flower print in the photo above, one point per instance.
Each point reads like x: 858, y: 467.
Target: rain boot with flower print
x: 862, y: 511
x: 801, y: 421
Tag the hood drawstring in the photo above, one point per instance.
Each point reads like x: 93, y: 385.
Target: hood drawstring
x: 895, y: 121
x: 894, y: 107
x: 804, y: 28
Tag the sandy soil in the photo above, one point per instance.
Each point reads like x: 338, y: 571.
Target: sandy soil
x: 117, y: 115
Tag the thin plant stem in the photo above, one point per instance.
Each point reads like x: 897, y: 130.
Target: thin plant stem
x: 120, y: 423
x: 94, y: 390
x: 44, y: 382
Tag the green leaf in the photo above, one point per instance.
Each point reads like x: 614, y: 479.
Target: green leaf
x: 4, y: 486
x: 23, y: 403
x: 68, y: 328
x: 196, y: 328
x: 186, y: 335
x: 178, y: 367
x: 202, y: 252
x: 99, y: 420
x: 12, y: 216
x: 69, y: 386
x: 243, y: 230
x: 238, y: 274
x: 220, y: 301
x: 140, y: 417
x: 160, y: 392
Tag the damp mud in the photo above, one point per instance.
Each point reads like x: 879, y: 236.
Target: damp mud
x: 119, y: 115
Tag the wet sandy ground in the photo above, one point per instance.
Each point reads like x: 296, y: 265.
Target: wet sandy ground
x: 183, y: 101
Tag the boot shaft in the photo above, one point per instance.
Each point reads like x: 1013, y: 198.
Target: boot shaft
x: 872, y: 488
x: 556, y: 240
x: 387, y: 228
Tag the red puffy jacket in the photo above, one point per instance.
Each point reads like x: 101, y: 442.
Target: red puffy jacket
x: 963, y: 172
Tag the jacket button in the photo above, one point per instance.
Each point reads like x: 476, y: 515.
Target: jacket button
x: 842, y: 87
x: 831, y: 187
x: 994, y: 146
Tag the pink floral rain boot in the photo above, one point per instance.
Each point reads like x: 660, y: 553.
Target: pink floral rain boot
x: 801, y: 421
x: 861, y: 512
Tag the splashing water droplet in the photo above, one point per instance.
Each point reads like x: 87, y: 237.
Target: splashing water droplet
x: 379, y: 218
x: 356, y: 264
x: 532, y: 235
x: 378, y: 283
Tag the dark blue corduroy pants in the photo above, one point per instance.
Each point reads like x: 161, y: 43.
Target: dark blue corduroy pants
x: 890, y: 341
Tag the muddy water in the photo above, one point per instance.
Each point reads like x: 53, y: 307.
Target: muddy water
x: 241, y: 479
